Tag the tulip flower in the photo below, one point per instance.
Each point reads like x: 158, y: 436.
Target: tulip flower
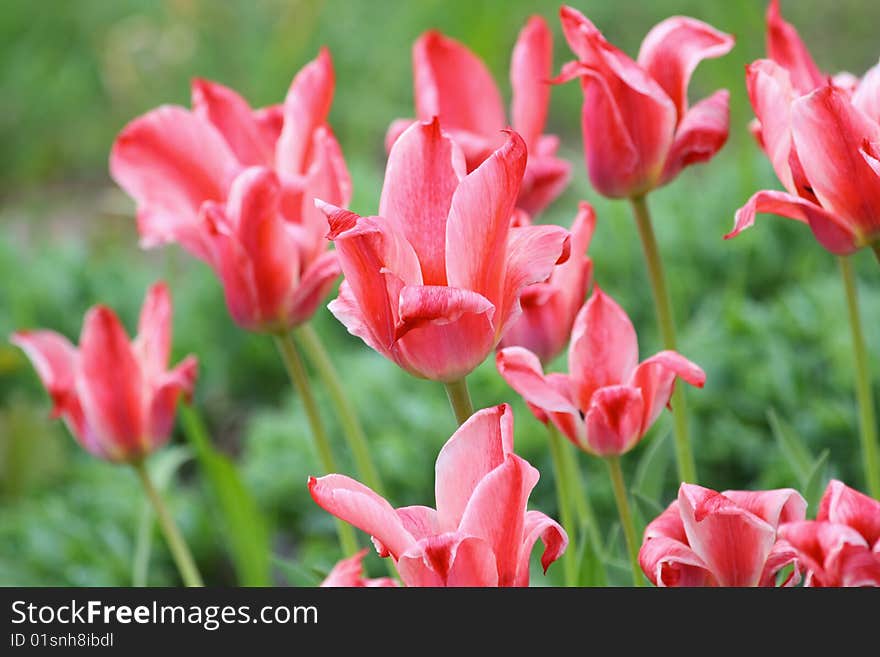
x: 480, y: 533
x: 732, y: 538
x: 349, y: 573
x: 116, y: 396
x: 842, y: 546
x: 639, y: 131
x: 433, y: 282
x: 549, y: 308
x: 452, y: 83
x: 236, y: 188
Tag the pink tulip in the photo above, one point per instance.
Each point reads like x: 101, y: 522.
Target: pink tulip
x: 638, y: 130
x: 842, y: 546
x: 236, y: 188
x: 480, y: 533
x: 116, y: 396
x: 722, y: 539
x: 434, y: 282
x: 453, y: 84
x: 549, y: 309
x: 607, y: 401
x: 822, y: 136
x: 349, y: 573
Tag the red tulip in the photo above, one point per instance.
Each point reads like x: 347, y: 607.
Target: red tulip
x: 480, y: 533
x: 639, y: 132
x: 116, y: 396
x: 549, y: 309
x: 607, y: 401
x: 349, y: 573
x: 722, y: 539
x: 237, y: 187
x: 842, y: 546
x: 434, y: 281
x: 452, y: 83
x: 822, y: 136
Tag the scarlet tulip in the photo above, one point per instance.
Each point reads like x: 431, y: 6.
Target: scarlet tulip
x: 116, y: 396
x: 821, y: 135
x: 549, y: 309
x: 638, y: 130
x: 842, y: 546
x: 607, y: 401
x: 236, y: 188
x: 350, y: 573
x: 434, y: 282
x: 480, y: 533
x: 722, y: 539
x: 452, y: 83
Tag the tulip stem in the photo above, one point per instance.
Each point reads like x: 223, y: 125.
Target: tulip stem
x: 460, y: 400
x: 565, y: 494
x: 626, y: 519
x: 583, y: 509
x: 300, y: 380
x: 867, y: 417
x: 189, y: 573
x: 687, y: 471
x: 351, y: 426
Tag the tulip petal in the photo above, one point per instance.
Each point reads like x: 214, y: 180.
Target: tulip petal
x: 450, y: 559
x: 867, y: 95
x: 270, y: 121
x: 350, y: 573
x: 614, y: 420
x: 782, y: 555
x: 313, y: 288
x: 847, y: 506
x: 419, y: 521
x: 153, y: 342
x: 701, y: 133
x: 55, y: 360
x: 424, y: 169
x: 775, y: 506
x: 785, y: 47
x: 656, y: 377
x: 397, y: 128
x: 530, y: 69
x: 604, y: 349
x: 819, y: 546
x: 234, y: 119
x: 670, y: 563
x: 522, y: 371
x: 452, y: 83
x: 672, y: 50
x: 545, y: 178
x: 163, y: 403
x: 345, y: 308
x: 360, y: 506
x: 552, y: 535
x: 478, y: 446
x: 827, y: 228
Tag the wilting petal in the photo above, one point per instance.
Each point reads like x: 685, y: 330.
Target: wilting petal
x: 867, y: 95
x: 358, y: 505
x: 234, y: 119
x: 672, y: 49
x: 785, y: 47
x: 478, y: 446
x: 732, y: 542
x: 831, y: 233
x: 656, y: 376
x: 424, y: 169
x: 775, y: 506
x: 166, y: 390
x: 552, y: 535
x: 452, y: 559
x: 153, y: 342
x: 782, y: 555
x: 828, y: 133
x: 313, y: 288
x: 452, y: 83
x: 845, y: 505
x: 701, y: 133
x: 530, y: 69
x: 614, y: 420
x: 604, y: 349
x: 670, y: 563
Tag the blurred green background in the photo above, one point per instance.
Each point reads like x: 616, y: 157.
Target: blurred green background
x: 763, y: 314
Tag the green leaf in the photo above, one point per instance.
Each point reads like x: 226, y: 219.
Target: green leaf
x: 244, y: 527
x: 815, y: 482
x: 591, y: 568
x: 296, y: 574
x: 796, y: 455
x: 651, y: 469
x: 648, y: 507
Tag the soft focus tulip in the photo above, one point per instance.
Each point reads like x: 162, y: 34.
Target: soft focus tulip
x: 638, y: 130
x: 842, y: 546
x: 116, y: 396
x: 608, y: 400
x: 434, y: 281
x: 236, y: 188
x: 480, y: 533
x: 822, y: 136
x: 350, y: 573
x: 722, y: 539
x: 549, y: 309
x: 453, y: 84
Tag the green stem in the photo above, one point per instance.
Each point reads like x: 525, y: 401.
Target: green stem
x: 626, y: 519
x: 460, y: 400
x: 867, y: 417
x: 583, y: 509
x: 564, y: 496
x: 300, y: 380
x: 189, y: 573
x: 875, y: 247
x: 687, y: 471
x: 351, y: 426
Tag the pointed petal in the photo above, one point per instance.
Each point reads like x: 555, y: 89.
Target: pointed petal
x: 152, y: 345
x: 672, y: 50
x: 775, y: 506
x: 785, y: 47
x: 349, y: 572
x: 397, y: 128
x: 700, y: 135
x: 530, y: 70
x: 847, y: 506
x: 163, y: 402
x: 452, y: 83
x: 552, y: 535
x: 270, y: 121
x: 656, y: 377
x: 867, y: 95
x: 522, y: 371
x: 546, y: 177
x: 55, y: 360
x: 232, y: 116
x: 313, y: 288
x: 360, y: 506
